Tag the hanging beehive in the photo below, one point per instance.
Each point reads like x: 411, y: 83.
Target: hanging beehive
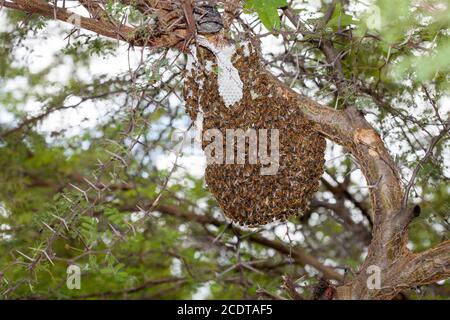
x: 227, y: 88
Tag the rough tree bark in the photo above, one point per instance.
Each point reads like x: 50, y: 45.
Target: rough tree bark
x: 400, y: 268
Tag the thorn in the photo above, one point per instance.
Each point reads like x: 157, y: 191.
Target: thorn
x: 116, y: 156
x: 91, y: 184
x: 62, y: 220
x: 81, y: 191
x: 50, y: 228
x: 23, y: 254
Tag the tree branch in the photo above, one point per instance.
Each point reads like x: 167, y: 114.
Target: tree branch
x: 44, y: 9
x: 425, y: 158
x: 429, y: 266
x: 145, y: 285
x: 297, y: 255
x: 100, y: 26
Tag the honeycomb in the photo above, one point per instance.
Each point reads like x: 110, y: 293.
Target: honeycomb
x: 245, y: 195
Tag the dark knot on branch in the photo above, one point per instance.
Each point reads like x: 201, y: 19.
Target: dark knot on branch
x: 208, y: 19
x: 405, y: 216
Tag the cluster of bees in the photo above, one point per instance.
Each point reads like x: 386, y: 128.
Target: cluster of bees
x: 245, y: 195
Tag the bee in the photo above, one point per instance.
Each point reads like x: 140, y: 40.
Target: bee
x: 245, y: 195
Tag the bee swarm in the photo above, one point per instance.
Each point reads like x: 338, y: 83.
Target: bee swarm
x: 246, y: 196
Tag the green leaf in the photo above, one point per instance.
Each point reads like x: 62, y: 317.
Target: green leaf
x: 267, y: 11
x: 340, y: 19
